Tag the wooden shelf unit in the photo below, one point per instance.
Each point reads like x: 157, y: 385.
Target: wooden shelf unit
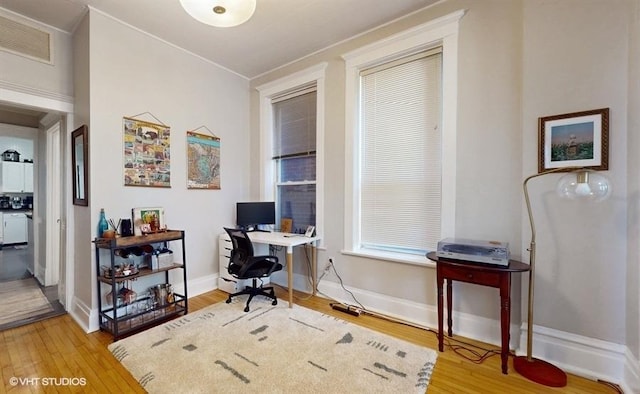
x: 128, y: 318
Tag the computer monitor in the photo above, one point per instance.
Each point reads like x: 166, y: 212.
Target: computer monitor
x: 251, y: 214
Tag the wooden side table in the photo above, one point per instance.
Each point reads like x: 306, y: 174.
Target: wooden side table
x: 479, y: 274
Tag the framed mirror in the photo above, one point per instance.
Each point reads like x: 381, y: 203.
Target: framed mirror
x: 79, y: 156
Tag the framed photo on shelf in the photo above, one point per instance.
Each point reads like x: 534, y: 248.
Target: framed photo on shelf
x: 286, y: 225
x: 148, y: 220
x: 578, y: 139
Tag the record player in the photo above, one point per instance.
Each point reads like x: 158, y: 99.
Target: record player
x: 486, y: 252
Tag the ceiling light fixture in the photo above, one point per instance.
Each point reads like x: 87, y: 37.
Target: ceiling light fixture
x: 220, y: 13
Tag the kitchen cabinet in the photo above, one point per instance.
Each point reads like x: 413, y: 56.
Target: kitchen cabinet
x: 28, y: 177
x: 16, y: 177
x: 14, y: 228
x: 123, y: 312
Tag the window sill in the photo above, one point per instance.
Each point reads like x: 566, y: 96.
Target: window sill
x: 412, y: 259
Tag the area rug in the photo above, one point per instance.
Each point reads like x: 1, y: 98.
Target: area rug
x: 272, y: 349
x: 21, y: 300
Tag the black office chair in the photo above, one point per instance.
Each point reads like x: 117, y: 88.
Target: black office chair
x: 244, y: 265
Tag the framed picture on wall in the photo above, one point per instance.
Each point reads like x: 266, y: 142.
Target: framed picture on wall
x: 203, y: 161
x: 578, y: 139
x: 147, y: 159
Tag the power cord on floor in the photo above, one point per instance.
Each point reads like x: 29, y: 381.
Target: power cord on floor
x: 476, y: 357
x: 459, y: 348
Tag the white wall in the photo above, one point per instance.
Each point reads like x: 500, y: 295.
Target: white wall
x: 633, y: 197
x: 131, y: 73
x: 519, y: 60
x: 81, y: 227
x: 488, y: 141
x: 581, y: 254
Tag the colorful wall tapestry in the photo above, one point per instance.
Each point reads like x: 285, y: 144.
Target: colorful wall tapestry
x: 203, y: 157
x: 146, y: 154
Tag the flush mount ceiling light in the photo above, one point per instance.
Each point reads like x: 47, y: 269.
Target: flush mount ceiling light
x: 220, y: 13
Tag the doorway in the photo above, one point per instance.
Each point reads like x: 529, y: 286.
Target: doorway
x: 43, y: 262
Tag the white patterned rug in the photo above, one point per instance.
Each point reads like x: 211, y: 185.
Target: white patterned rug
x: 273, y: 349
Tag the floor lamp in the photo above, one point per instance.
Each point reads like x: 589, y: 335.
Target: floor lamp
x: 583, y: 184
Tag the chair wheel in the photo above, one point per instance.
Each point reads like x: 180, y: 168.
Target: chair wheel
x: 246, y: 309
x: 275, y: 302
x: 228, y: 300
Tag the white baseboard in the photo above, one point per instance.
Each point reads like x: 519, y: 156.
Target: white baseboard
x: 87, y: 317
x: 84, y: 315
x: 631, y: 381
x: 582, y: 356
x: 465, y: 324
x: 199, y: 285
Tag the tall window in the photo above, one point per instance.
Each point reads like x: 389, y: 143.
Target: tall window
x: 292, y: 146
x: 400, y: 107
x: 400, y: 142
x: 294, y: 156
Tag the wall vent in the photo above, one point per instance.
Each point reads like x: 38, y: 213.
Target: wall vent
x: 25, y: 40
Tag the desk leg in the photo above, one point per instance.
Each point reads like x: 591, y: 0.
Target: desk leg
x: 505, y: 318
x: 290, y: 274
x: 440, y: 282
x: 449, y: 307
x: 314, y: 268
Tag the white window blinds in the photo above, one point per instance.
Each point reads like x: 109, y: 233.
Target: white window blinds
x: 295, y: 124
x: 400, y: 167
x: 294, y: 154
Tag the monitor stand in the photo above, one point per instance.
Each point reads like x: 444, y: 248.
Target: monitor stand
x: 251, y: 229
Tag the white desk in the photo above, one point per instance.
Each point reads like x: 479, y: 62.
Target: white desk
x: 289, y: 241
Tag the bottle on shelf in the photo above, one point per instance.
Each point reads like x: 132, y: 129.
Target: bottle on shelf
x: 102, y: 223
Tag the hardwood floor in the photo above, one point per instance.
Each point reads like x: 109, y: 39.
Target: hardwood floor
x: 62, y: 358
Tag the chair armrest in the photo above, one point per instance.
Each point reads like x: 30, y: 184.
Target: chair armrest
x: 273, y: 259
x: 249, y: 265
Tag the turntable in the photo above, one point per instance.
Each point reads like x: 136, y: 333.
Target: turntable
x: 487, y: 252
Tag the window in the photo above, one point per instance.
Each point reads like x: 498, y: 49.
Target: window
x: 399, y: 182
x: 400, y: 143
x: 291, y: 147
x: 294, y: 156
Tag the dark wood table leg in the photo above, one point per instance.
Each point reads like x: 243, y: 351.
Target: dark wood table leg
x: 505, y: 318
x: 440, y: 282
x: 449, y: 307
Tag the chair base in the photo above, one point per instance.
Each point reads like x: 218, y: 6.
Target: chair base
x: 253, y: 291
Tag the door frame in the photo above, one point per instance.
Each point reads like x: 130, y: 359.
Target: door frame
x: 54, y: 248
x: 60, y: 110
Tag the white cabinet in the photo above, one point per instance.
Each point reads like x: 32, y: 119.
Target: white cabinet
x: 14, y: 228
x: 226, y: 282
x: 28, y: 177
x: 12, y: 176
x: 16, y: 177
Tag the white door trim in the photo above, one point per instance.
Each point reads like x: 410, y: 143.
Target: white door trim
x: 54, y: 197
x: 62, y: 106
